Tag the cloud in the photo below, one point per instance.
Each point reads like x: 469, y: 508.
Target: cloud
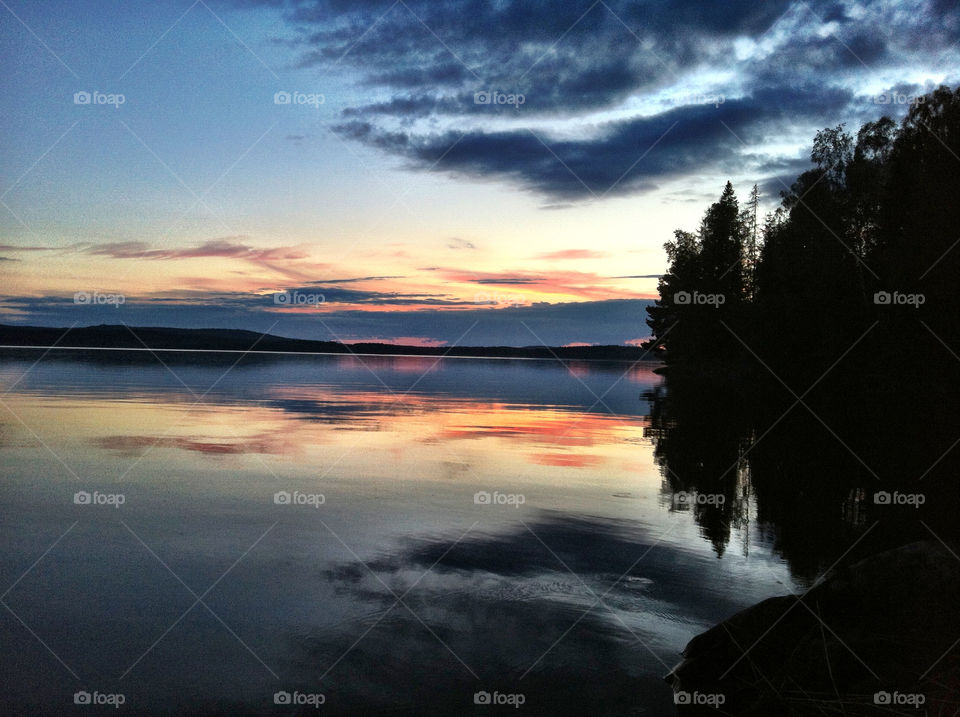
x: 776, y: 68
x: 573, y: 254
x: 358, y: 279
x: 424, y: 341
x: 334, y: 294
x: 225, y: 247
x: 14, y: 247
x: 458, y: 243
x: 588, y: 285
x: 282, y: 260
x: 562, y: 56
x: 620, y: 157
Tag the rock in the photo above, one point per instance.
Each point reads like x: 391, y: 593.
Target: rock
x: 879, y: 637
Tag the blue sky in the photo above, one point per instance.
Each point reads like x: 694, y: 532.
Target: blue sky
x: 390, y: 184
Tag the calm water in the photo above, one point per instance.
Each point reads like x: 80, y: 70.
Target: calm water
x: 574, y: 587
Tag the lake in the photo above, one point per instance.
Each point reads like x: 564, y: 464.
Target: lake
x: 363, y: 534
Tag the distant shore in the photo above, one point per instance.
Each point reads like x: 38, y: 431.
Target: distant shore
x: 107, y: 337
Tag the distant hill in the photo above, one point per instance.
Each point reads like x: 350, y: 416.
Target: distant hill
x: 105, y: 336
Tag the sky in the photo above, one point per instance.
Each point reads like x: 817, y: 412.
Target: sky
x: 433, y: 172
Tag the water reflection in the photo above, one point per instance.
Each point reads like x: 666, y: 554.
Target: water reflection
x: 580, y: 596
x: 807, y: 476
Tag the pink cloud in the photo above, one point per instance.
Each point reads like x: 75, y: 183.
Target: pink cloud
x: 223, y: 247
x: 226, y: 247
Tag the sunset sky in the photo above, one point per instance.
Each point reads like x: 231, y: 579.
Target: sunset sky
x: 391, y: 184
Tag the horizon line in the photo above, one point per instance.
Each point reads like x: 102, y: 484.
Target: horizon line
x: 326, y: 353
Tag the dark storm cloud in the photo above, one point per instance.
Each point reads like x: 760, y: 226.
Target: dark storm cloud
x: 561, y: 55
x: 426, y: 59
x: 336, y: 295
x: 625, y: 156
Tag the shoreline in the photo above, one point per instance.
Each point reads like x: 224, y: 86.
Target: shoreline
x: 18, y: 347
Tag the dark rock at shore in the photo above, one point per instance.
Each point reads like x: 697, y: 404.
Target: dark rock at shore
x: 881, y: 636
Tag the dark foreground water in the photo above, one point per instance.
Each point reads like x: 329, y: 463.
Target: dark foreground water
x: 379, y: 535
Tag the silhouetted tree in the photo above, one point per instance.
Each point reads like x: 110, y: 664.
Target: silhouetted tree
x: 870, y: 233
x: 703, y: 290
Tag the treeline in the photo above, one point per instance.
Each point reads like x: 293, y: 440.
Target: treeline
x: 861, y: 258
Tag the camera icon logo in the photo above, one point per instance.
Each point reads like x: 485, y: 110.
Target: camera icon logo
x: 81, y: 98
x: 881, y: 498
x: 682, y: 298
x: 81, y: 497
x: 481, y: 698
x: 81, y: 698
x: 281, y: 497
x: 281, y: 98
x: 481, y: 497
x: 282, y: 698
x: 681, y: 698
x: 281, y: 297
x: 881, y: 698
x: 81, y: 297
x: 882, y: 298
x: 482, y: 98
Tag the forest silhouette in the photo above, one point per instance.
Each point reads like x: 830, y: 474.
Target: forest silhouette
x: 813, y: 355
